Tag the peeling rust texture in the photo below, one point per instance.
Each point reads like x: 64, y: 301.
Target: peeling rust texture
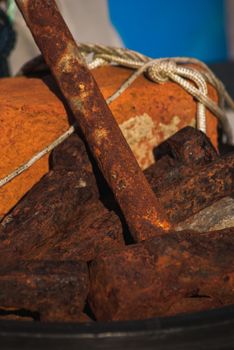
x: 210, y: 183
x: 49, y: 291
x: 61, y: 217
x: 188, y: 146
x: 178, y: 157
x: 173, y: 273
x: 189, y: 175
x: 115, y: 159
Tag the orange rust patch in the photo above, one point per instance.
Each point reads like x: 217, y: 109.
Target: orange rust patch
x: 32, y: 116
x: 101, y: 134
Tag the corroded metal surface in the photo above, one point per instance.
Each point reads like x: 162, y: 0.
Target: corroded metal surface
x: 115, y: 159
x: 189, y: 175
x: 217, y: 216
x: 178, y: 157
x: 208, y: 184
x: 61, y: 218
x: 47, y: 291
x: 188, y: 146
x: 180, y: 272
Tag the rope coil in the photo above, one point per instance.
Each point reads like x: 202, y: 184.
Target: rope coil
x: 159, y: 71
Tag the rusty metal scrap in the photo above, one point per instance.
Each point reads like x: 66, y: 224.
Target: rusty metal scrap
x: 96, y: 230
x: 210, y: 183
x: 176, y: 272
x: 188, y: 146
x: 61, y: 224
x: 61, y: 217
x: 116, y: 161
x: 163, y: 276
x: 46, y: 291
x: 173, y: 273
x: 189, y: 175
x: 178, y: 157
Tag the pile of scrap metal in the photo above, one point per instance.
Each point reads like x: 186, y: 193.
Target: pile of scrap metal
x: 98, y: 239
x: 66, y: 243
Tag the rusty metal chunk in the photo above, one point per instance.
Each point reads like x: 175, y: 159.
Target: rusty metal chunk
x: 178, y: 157
x: 61, y: 217
x: 208, y: 184
x: 188, y: 146
x: 113, y: 155
x: 189, y: 175
x: 96, y: 230
x: 46, y: 291
x: 178, y: 272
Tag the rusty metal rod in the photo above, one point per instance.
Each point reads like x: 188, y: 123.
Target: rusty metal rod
x: 116, y: 161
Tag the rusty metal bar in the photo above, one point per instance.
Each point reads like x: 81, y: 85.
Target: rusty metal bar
x: 175, y: 273
x: 116, y: 161
x: 49, y: 290
x: 208, y: 184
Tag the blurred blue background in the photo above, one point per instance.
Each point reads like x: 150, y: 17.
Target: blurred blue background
x: 172, y: 28
x: 203, y: 29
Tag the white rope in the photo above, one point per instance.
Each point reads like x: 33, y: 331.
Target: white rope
x: 37, y: 156
x: 128, y: 58
x: 200, y: 78
x: 158, y: 70
x: 165, y: 70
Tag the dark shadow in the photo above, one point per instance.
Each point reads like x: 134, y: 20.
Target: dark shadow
x: 54, y: 88
x: 22, y: 313
x: 88, y: 311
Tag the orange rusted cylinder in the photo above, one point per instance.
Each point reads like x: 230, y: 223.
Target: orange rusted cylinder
x: 147, y: 114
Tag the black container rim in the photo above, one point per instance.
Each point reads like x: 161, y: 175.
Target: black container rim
x: 213, y: 329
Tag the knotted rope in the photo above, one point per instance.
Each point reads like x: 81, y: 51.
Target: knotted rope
x: 176, y: 69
